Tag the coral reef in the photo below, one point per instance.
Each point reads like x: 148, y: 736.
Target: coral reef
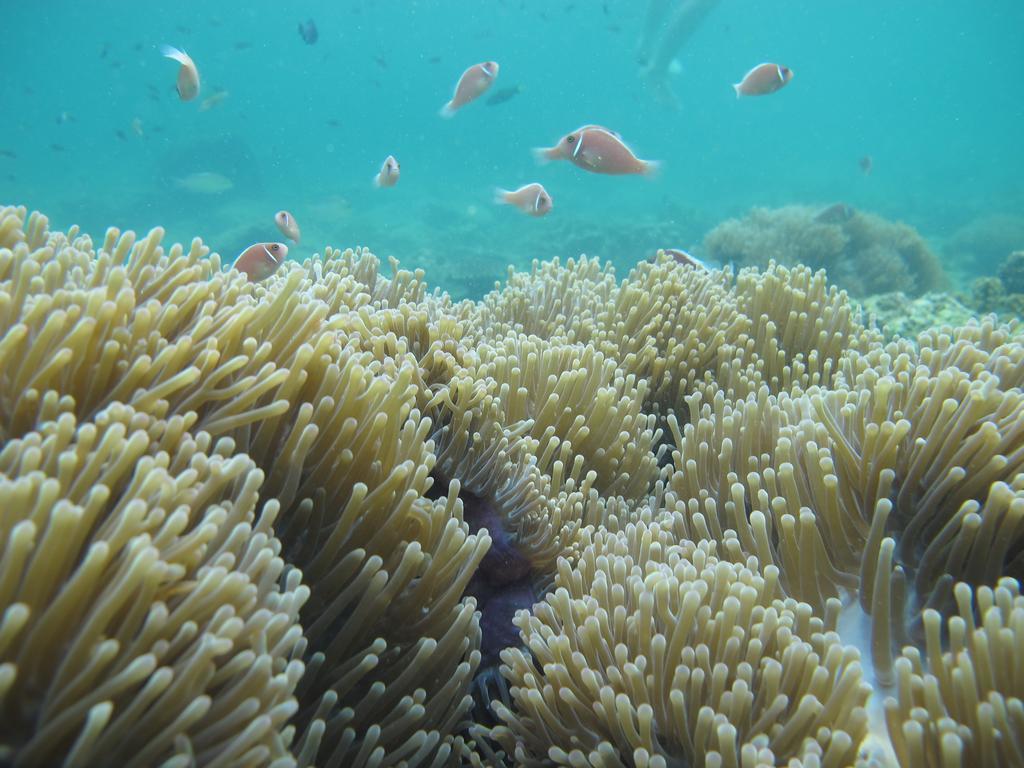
x: 686, y: 517
x: 1012, y: 272
x: 900, y: 315
x: 862, y: 252
x: 1003, y: 294
x: 984, y: 242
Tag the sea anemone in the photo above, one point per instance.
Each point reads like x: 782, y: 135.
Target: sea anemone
x: 687, y: 517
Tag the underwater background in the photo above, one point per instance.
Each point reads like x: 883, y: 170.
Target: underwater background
x: 719, y: 467
x: 94, y: 133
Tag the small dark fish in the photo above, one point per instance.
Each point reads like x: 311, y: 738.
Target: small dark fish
x: 137, y: 47
x: 308, y: 32
x: 7, y: 153
x: 604, y: 7
x: 121, y: 135
x: 505, y: 94
x: 115, y: 65
x: 614, y: 28
x: 57, y: 147
x: 381, y: 62
x: 104, y: 50
x: 570, y: 7
x: 836, y: 214
x: 866, y: 163
x: 434, y: 59
x: 334, y: 123
x: 241, y: 45
x: 183, y: 29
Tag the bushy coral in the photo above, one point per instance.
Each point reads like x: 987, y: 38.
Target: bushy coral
x: 687, y: 517
x: 862, y: 252
x: 1005, y: 293
x: 984, y: 242
x: 1011, y: 272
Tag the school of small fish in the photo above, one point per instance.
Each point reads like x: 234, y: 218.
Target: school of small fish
x: 592, y: 148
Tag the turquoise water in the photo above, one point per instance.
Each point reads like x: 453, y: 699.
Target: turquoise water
x: 930, y: 90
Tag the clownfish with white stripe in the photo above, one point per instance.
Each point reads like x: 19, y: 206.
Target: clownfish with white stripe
x: 531, y: 199
x: 597, y: 149
x: 260, y: 260
x: 188, y: 73
x: 288, y: 226
x: 472, y: 85
x: 762, y: 80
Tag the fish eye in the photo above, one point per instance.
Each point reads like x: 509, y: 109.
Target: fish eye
x: 274, y: 248
x: 570, y: 138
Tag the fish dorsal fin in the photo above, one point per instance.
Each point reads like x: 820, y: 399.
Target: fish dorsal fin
x: 592, y: 127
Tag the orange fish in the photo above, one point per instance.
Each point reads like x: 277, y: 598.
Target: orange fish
x: 471, y: 85
x: 188, y: 75
x: 389, y: 173
x: 260, y: 260
x: 598, y: 150
x: 532, y: 199
x: 679, y: 256
x: 287, y: 224
x: 762, y: 80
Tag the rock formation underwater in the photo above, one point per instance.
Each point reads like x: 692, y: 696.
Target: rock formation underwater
x: 286, y: 523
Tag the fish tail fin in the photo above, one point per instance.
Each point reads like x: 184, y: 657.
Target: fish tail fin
x: 736, y: 87
x: 500, y: 196
x: 447, y: 111
x: 542, y: 155
x: 651, y: 168
x: 172, y: 53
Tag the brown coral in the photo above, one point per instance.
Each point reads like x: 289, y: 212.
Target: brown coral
x: 862, y: 252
